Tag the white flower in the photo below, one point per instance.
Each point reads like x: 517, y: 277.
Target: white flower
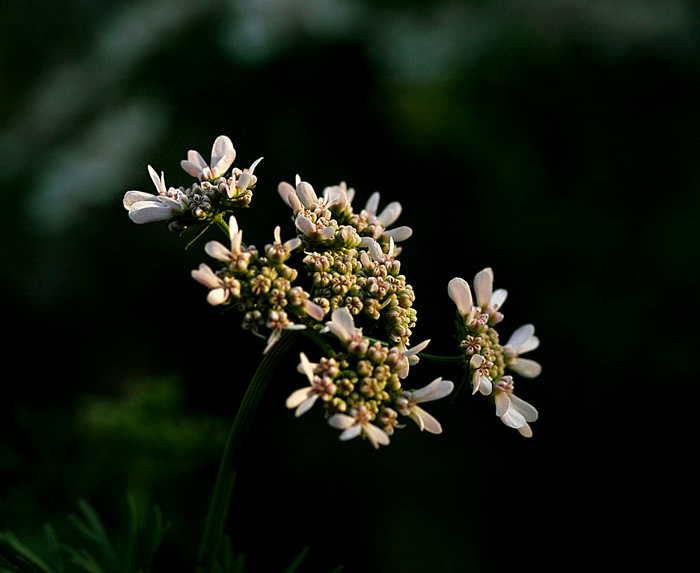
x: 342, y: 325
x: 521, y: 341
x: 233, y: 256
x: 303, y: 196
x: 277, y: 321
x: 222, y: 156
x: 146, y: 207
x: 220, y: 289
x: 303, y: 399
x: 411, y: 356
x: 481, y: 381
x: 385, y: 219
x: 407, y: 404
x: 487, y: 301
x: 513, y: 412
x: 358, y: 422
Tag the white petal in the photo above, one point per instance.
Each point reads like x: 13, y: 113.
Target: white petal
x: 342, y: 324
x: 304, y: 225
x: 461, y: 295
x: 437, y: 389
x: 285, y: 190
x: 222, y: 154
x: 131, y: 197
x: 425, y: 421
x: 373, y: 203
x: 410, y: 353
x: 526, y: 367
x: 206, y: 276
x: 520, y: 336
x: 327, y: 233
x: 528, y: 411
x: 513, y: 419
x: 217, y: 296
x: 399, y: 233
x: 149, y: 211
x: 390, y: 213
x: 306, y: 366
x: 306, y: 195
x: 341, y: 421
x: 297, y: 397
x: 376, y: 435
x: 254, y: 165
x: 483, y: 287
x: 217, y: 251
x: 351, y: 432
x: 499, y: 297
x: 525, y: 431
x: 306, y: 405
x: 502, y: 401
x: 159, y: 182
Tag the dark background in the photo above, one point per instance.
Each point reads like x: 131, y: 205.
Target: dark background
x: 556, y: 142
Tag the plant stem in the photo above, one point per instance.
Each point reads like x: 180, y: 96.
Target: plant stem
x: 221, y: 498
x: 436, y: 358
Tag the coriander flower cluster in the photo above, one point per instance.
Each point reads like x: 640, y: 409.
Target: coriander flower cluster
x: 336, y: 277
x: 485, y: 358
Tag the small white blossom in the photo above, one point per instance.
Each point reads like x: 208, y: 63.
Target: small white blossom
x: 481, y: 381
x: 220, y: 289
x: 147, y: 208
x: 303, y: 399
x: 234, y: 256
x: 407, y: 404
x: 359, y: 422
x: 222, y: 156
x: 513, y: 412
x: 485, y: 311
x: 385, y: 219
x: 342, y: 324
x: 521, y: 341
x: 411, y: 356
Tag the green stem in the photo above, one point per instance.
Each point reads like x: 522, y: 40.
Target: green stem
x: 221, y: 498
x: 436, y: 358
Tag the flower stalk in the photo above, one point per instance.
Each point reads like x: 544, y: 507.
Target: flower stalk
x: 223, y: 489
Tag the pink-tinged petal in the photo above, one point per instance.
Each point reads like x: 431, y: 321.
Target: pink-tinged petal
x: 528, y: 411
x: 499, y: 297
x: 132, y: 197
x: 204, y: 275
x: 461, y: 295
x: 297, y: 397
x: 483, y: 287
x: 502, y: 401
x: 244, y: 180
x: 342, y: 324
x: 341, y: 421
x: 195, y: 158
x: 390, y: 214
x: 376, y: 435
x: 292, y: 244
x: 520, y: 336
x: 425, y: 421
x: 525, y: 367
x: 525, y: 431
x: 306, y: 366
x: 304, y: 225
x: 148, y: 212
x: 372, y: 203
x: 217, y: 296
x: 399, y: 233
x: 285, y: 190
x: 217, y: 251
x: 190, y: 168
x: 222, y: 154
x: 411, y: 353
x: 314, y: 310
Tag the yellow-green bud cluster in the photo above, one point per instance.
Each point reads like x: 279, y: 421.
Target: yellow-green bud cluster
x: 365, y: 377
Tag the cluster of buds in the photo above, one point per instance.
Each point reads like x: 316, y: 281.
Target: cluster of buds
x: 258, y: 286
x: 352, y: 274
x: 361, y: 387
x: 486, y: 359
x: 212, y: 195
x: 352, y: 257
